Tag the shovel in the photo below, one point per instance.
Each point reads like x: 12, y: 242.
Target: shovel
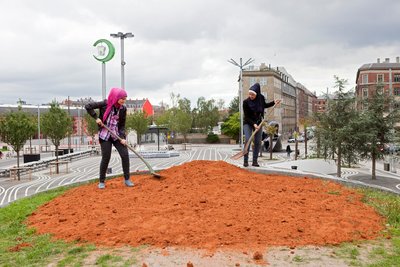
x: 246, y: 147
x: 156, y: 175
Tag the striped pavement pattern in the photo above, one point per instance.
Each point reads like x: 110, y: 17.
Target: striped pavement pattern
x: 87, y: 169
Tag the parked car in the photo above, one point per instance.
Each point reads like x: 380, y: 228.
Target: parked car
x: 299, y: 139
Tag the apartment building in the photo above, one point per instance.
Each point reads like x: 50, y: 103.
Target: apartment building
x: 371, y: 74
x: 277, y: 83
x: 320, y: 105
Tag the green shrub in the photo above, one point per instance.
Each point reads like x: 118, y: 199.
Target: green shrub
x: 212, y: 138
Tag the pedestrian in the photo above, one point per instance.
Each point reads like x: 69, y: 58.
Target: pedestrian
x: 288, y: 151
x: 253, y: 108
x: 112, y: 113
x: 1, y: 154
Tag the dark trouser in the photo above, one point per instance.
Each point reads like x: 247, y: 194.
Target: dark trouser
x: 248, y: 130
x: 106, y: 147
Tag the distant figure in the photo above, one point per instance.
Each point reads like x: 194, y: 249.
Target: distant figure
x: 288, y: 151
x: 1, y: 155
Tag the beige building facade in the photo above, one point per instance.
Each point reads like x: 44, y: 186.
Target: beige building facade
x: 277, y: 83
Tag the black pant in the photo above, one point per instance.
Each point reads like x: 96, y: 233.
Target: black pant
x: 106, y: 155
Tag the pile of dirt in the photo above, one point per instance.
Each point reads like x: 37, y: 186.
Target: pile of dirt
x: 210, y: 205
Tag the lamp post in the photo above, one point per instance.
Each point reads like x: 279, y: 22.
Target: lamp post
x: 38, y: 125
x: 122, y: 36
x: 241, y: 66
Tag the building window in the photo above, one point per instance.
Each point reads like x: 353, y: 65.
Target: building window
x: 396, y: 91
x: 364, y: 79
x: 379, y: 78
x: 365, y: 92
x: 263, y: 81
x: 277, y: 83
x: 396, y: 78
x: 252, y: 81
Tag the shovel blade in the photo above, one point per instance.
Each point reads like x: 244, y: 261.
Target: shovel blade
x: 156, y: 175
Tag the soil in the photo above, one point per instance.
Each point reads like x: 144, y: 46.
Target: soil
x: 211, y: 206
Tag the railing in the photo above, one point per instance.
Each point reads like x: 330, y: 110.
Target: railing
x: 44, y: 164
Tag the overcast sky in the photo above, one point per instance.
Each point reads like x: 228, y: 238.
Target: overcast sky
x: 182, y: 46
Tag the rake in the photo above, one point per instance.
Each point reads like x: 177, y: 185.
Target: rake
x: 137, y: 154
x: 246, y: 147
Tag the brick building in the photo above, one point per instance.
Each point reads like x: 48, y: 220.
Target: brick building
x: 370, y: 75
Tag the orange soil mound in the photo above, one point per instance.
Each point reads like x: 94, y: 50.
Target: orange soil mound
x: 210, y: 205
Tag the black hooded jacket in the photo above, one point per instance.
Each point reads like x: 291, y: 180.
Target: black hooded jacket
x: 254, y: 109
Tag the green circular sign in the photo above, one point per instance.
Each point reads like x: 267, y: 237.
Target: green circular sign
x: 111, y: 50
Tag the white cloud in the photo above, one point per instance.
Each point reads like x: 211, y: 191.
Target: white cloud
x: 183, y: 46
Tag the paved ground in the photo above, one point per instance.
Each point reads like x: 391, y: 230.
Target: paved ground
x: 87, y: 169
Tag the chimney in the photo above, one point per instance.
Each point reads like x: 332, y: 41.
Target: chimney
x: 387, y: 60
x: 397, y: 59
x: 262, y: 66
x: 378, y: 60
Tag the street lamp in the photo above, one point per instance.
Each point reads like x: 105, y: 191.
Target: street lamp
x: 241, y: 66
x: 122, y: 36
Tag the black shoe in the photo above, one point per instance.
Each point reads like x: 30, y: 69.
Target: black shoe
x: 255, y: 164
x: 246, y: 164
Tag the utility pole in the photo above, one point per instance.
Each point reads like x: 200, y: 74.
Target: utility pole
x: 241, y: 66
x: 392, y: 159
x: 69, y: 134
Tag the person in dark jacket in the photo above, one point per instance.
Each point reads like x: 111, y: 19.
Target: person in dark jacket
x: 113, y: 115
x: 253, y: 109
x: 288, y: 151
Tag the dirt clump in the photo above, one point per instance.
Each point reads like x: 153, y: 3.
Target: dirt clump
x: 210, y: 205
x: 18, y: 247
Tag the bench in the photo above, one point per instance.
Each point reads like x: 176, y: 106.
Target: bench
x: 14, y: 172
x: 56, y: 164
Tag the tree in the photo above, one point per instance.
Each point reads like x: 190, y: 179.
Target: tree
x: 231, y: 127
x: 176, y: 120
x: 184, y: 105
x: 15, y: 129
x: 220, y: 104
x: 335, y: 124
x: 206, y: 114
x: 234, y: 105
x: 35, y: 123
x: 56, y: 125
x: 139, y: 122
x: 378, y: 119
x: 306, y: 122
x: 271, y: 130
x: 296, y: 144
x: 91, y: 126
x: 181, y: 122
